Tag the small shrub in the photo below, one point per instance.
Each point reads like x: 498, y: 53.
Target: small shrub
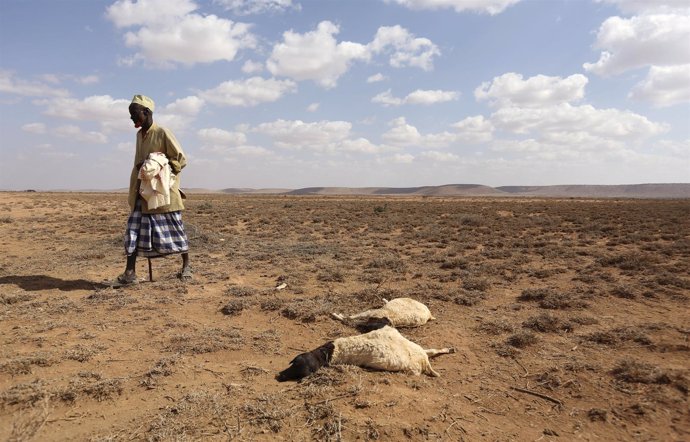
x: 597, y: 414
x: 534, y: 294
x: 469, y: 298
x: 234, y: 307
x: 240, y: 291
x: 479, y: 284
x: 632, y: 371
x: 494, y: 327
x: 522, y: 339
x: 546, y: 323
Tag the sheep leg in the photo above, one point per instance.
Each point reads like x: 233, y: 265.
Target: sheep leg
x: 338, y: 316
x: 433, y: 352
x: 374, y: 313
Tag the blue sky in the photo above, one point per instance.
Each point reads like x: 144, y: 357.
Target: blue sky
x: 292, y: 93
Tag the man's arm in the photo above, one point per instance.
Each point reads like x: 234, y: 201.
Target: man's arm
x: 174, y: 152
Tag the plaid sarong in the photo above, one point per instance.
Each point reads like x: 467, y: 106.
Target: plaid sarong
x: 155, y: 234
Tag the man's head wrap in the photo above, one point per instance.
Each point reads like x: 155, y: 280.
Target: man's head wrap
x: 145, y: 101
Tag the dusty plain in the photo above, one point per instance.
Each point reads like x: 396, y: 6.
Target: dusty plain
x: 570, y: 318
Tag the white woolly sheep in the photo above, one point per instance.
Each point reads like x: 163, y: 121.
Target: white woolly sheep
x: 383, y: 349
x: 400, y: 312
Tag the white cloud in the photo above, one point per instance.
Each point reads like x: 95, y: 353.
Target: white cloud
x: 361, y: 145
x: 405, y: 49
x: 646, y: 6
x: 581, y: 133
x: 180, y: 114
x: 110, y: 112
x: 431, y: 96
x: 664, y: 86
x: 222, y: 137
x: 475, y: 129
x: 296, y: 134
x: 315, y: 55
x: 34, y: 128
x: 441, y: 157
x: 402, y: 134
x: 402, y: 158
x: 252, y: 67
x: 313, y: 107
x: 88, y: 79
x: 319, y: 57
x: 472, y: 130
x: 609, y: 123
x: 10, y: 84
x: 387, y: 99
x: 249, y: 92
x: 680, y: 148
x: 538, y: 91
x: 320, y: 136
x: 247, y: 7
x: 376, y: 78
x: 50, y: 78
x: 630, y: 43
x: 251, y: 151
x: 126, y: 147
x: 168, y: 33
x: 425, y: 97
x: 186, y: 106
x: 480, y: 6
x: 76, y: 134
x: 126, y: 13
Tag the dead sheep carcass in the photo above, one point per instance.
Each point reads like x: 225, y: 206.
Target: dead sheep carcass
x: 398, y: 312
x: 383, y: 349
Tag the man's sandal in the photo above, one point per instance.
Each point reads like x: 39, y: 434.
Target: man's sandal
x: 185, y: 274
x: 123, y: 281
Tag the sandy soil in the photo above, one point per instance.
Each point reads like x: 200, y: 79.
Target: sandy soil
x: 570, y: 320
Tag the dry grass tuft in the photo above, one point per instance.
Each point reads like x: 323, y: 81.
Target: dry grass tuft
x: 632, y: 371
x: 164, y: 367
x: 494, y: 327
x: 265, y: 412
x: 9, y: 299
x: 547, y: 323
x: 307, y: 310
x: 468, y: 298
x: 206, y: 341
x: 522, y: 339
x: 619, y: 335
x: 24, y: 394
x: 234, y: 307
x: 27, y: 424
x: 23, y: 364
x: 83, y: 353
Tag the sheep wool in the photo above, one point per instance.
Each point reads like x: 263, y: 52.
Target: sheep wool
x: 401, y: 312
x: 383, y: 349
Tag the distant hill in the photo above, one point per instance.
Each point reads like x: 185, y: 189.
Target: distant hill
x: 678, y: 190
x: 233, y: 190
x: 446, y: 190
x: 652, y: 190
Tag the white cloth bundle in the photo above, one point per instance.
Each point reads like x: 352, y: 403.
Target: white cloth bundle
x: 156, y: 180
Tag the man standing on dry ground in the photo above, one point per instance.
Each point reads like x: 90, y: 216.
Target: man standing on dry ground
x: 154, y: 231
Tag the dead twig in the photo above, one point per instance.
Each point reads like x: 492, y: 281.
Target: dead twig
x: 521, y: 366
x: 454, y: 423
x: 217, y: 373
x: 540, y: 395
